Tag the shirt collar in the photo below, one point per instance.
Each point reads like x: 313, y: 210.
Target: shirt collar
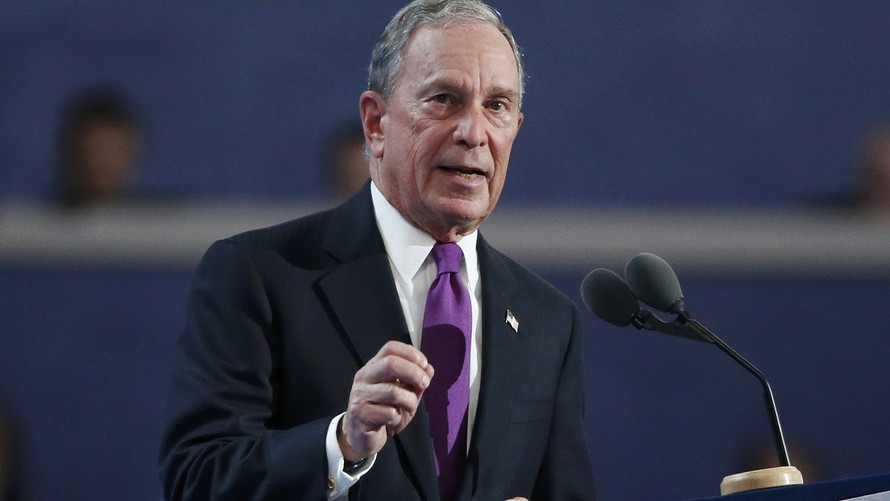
x: 407, y: 245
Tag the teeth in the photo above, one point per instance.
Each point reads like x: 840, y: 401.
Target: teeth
x: 462, y: 172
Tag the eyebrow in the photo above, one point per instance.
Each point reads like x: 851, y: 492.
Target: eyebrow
x: 511, y: 94
x: 453, y: 87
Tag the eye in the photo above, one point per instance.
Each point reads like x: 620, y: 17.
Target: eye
x: 498, y: 105
x: 441, y: 98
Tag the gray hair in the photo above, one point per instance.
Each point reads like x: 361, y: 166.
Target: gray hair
x: 386, y: 58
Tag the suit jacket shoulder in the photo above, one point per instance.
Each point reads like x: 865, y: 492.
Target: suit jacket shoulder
x: 346, y: 232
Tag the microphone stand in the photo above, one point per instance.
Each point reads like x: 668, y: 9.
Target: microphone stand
x: 654, y: 281
x: 706, y: 333
x: 786, y: 474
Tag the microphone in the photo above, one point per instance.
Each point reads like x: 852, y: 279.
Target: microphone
x: 653, y: 280
x: 608, y: 296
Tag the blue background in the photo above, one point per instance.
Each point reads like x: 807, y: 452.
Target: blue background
x: 630, y: 103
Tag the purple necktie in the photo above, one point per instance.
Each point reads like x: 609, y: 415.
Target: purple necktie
x: 447, y: 327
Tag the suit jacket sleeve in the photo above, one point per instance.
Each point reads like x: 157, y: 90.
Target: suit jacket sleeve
x: 220, y: 441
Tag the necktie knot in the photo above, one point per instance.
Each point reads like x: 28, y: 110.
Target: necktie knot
x: 447, y: 256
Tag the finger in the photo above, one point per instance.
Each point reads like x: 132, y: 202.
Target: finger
x: 368, y: 417
x: 392, y: 394
x: 405, y: 351
x: 372, y: 416
x: 398, y: 370
x: 405, y: 374
x: 389, y: 382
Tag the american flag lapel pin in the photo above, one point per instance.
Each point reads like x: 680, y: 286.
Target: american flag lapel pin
x: 511, y: 319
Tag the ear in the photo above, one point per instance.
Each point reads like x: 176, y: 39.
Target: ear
x: 372, y: 109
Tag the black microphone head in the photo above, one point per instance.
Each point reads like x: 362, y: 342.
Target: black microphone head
x: 653, y: 281
x: 609, y: 297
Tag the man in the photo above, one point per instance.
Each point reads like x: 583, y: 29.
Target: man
x: 290, y: 326
x: 874, y: 174
x: 345, y: 162
x: 99, y: 149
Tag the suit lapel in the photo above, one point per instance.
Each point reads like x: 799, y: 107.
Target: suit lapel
x: 501, y: 347
x: 360, y: 295
x: 360, y: 291
x: 363, y: 299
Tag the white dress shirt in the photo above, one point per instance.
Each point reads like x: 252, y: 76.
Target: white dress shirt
x: 413, y: 271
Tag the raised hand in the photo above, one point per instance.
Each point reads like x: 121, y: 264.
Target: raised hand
x: 383, y: 400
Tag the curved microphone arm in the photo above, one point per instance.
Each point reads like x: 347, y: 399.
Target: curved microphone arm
x: 645, y: 319
x: 704, y: 332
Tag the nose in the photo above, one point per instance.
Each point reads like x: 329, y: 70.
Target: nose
x: 471, y: 131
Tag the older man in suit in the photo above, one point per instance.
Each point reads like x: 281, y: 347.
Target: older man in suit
x: 383, y: 350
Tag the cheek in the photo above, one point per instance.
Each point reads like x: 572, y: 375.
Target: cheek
x: 421, y: 156
x: 497, y: 184
x: 500, y: 152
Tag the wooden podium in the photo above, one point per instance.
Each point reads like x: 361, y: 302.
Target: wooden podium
x: 837, y: 490
x: 768, y: 478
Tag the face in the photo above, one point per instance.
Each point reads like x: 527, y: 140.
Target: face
x: 103, y: 158
x: 350, y: 166
x: 441, y: 144
x: 876, y: 184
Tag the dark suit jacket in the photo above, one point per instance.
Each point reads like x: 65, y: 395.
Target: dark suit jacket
x: 280, y: 319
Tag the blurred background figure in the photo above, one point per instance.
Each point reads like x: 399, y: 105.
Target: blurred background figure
x: 11, y: 460
x: 346, y: 161
x: 874, y: 173
x: 99, y: 145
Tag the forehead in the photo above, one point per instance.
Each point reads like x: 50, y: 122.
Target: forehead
x: 460, y: 48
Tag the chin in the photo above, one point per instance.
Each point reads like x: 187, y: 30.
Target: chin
x: 464, y: 209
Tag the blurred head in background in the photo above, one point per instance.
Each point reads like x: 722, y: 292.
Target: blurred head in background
x: 347, y: 163
x: 874, y: 172
x: 99, y: 146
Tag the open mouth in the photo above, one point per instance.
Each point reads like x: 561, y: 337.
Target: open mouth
x: 467, y: 172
